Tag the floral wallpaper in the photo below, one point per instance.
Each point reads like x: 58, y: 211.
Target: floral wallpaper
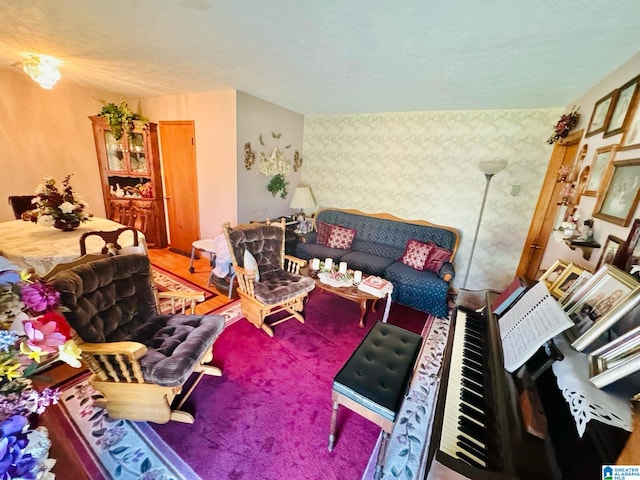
x: 423, y: 165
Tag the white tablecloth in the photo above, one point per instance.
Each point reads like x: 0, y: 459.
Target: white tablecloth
x: 29, y: 245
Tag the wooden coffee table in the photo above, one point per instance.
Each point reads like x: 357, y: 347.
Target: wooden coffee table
x: 350, y: 293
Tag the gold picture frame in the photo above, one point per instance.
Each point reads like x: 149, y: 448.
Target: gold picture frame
x: 601, y: 114
x: 631, y: 136
x: 565, y: 280
x: 616, y: 359
x: 553, y: 272
x: 599, y: 164
x: 620, y: 114
x: 609, y: 251
x: 599, y: 304
x: 619, y: 192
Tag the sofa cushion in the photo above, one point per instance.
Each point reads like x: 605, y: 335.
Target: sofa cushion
x: 371, y: 264
x: 424, y: 291
x: 307, y: 251
x: 416, y: 254
x: 391, y: 252
x: 175, y: 343
x: 341, y: 237
x: 324, y: 231
x: 437, y: 256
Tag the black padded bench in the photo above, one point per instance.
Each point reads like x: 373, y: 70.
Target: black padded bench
x: 373, y: 381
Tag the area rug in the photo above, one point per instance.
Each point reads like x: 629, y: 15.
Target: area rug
x: 268, y: 416
x: 166, y: 281
x: 119, y: 449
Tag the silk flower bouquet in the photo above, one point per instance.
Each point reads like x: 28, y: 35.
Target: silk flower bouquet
x: 59, y: 208
x: 31, y: 327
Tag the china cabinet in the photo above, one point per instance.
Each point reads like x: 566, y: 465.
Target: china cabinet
x: 131, y: 180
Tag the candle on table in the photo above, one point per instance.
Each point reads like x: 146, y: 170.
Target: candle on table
x: 343, y: 267
x: 315, y: 264
x: 357, y: 276
x: 328, y: 263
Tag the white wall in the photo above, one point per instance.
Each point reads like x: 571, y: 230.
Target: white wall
x: 423, y: 165
x: 602, y: 229
x: 256, y: 117
x: 214, y: 115
x: 47, y: 133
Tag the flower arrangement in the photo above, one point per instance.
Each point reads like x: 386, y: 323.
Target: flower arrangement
x: 566, y: 123
x: 62, y: 209
x: 31, y: 327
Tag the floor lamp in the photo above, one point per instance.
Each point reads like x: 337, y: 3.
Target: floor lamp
x: 489, y: 169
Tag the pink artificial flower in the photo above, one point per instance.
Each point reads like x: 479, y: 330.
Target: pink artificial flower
x: 43, y: 336
x: 39, y: 296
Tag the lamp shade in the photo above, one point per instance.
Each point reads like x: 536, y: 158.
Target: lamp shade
x: 491, y: 167
x: 302, y: 198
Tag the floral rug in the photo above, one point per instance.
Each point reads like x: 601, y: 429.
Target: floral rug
x: 121, y: 449
x: 168, y: 282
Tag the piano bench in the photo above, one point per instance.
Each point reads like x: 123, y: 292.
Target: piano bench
x: 373, y: 381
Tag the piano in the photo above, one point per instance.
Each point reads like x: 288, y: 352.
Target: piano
x: 481, y: 430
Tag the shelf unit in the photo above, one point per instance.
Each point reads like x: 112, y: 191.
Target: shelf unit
x: 131, y: 179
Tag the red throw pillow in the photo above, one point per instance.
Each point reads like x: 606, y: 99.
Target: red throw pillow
x: 416, y: 254
x: 324, y: 231
x: 437, y: 256
x: 341, y: 237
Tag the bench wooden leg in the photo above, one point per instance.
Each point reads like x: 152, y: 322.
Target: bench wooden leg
x: 382, y: 452
x: 332, y: 428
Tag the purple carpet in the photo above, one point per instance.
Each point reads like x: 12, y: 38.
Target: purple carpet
x: 268, y: 416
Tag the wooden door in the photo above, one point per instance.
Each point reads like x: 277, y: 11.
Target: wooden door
x: 177, y: 144
x: 544, y: 216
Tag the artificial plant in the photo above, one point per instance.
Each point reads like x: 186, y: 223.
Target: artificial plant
x: 120, y: 118
x: 278, y: 184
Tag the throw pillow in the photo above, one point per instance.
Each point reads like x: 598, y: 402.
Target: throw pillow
x: 341, y: 237
x: 324, y: 231
x: 250, y: 263
x: 416, y: 254
x: 437, y: 256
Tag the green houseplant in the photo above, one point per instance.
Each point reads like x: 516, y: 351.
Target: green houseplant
x: 120, y: 118
x: 278, y: 184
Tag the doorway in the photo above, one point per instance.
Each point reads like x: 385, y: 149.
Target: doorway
x: 177, y: 144
x: 544, y: 216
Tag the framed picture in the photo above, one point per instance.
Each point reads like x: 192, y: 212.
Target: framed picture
x: 601, y: 114
x: 631, y: 135
x: 581, y: 280
x: 595, y: 306
x: 615, y: 360
x: 598, y: 168
x: 629, y: 255
x: 621, y: 110
x: 566, y: 280
x: 618, y: 196
x: 553, y: 273
x: 609, y: 251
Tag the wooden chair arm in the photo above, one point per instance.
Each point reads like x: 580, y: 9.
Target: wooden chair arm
x: 246, y: 279
x: 293, y: 264
x: 197, y: 296
x: 133, y: 350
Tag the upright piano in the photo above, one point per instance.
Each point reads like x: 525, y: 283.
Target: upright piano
x: 491, y: 424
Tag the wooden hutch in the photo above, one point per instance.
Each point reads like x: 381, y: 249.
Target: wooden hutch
x: 131, y: 179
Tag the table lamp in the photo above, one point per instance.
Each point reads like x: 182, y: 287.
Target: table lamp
x: 302, y: 199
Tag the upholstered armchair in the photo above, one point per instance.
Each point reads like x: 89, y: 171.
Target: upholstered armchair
x: 140, y: 360
x: 273, y: 283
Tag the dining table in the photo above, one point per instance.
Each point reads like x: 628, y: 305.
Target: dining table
x: 38, y: 248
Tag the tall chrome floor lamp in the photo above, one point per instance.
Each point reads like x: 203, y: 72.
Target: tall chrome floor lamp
x: 489, y: 169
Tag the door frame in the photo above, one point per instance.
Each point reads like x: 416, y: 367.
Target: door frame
x: 546, y: 207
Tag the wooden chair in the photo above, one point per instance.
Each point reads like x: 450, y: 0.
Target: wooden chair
x: 140, y: 360
x: 110, y: 237
x: 280, y: 286
x: 21, y: 204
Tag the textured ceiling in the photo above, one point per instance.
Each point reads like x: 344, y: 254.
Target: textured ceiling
x: 329, y: 56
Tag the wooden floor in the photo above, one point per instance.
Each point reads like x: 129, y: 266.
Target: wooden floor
x: 179, y: 265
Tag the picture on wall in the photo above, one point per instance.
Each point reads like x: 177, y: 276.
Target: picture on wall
x: 598, y: 168
x: 629, y: 255
x: 631, y: 136
x: 601, y: 114
x: 618, y: 197
x: 594, y: 307
x: 609, y: 251
x: 620, y: 114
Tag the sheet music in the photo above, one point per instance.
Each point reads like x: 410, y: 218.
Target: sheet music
x: 535, y: 318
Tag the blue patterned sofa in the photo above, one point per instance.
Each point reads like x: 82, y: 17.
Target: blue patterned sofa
x: 379, y: 243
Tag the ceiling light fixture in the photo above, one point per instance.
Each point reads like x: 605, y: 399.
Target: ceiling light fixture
x: 43, y: 69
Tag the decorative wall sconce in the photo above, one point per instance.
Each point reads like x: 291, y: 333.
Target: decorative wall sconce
x: 272, y: 162
x: 43, y: 69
